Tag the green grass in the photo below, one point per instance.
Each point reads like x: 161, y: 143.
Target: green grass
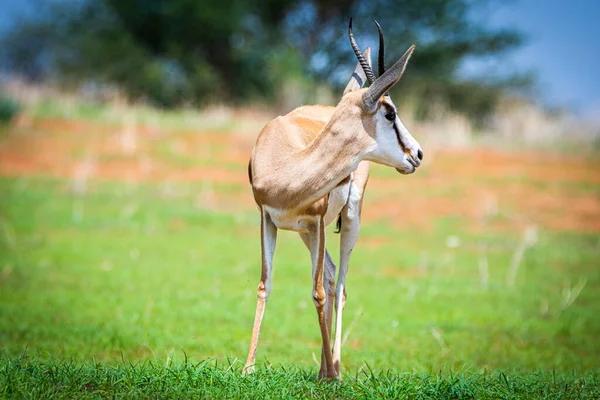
x: 23, y: 377
x: 134, y: 290
x: 70, y: 108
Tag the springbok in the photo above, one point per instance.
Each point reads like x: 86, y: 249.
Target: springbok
x: 311, y: 166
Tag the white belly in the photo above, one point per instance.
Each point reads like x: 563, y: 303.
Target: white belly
x: 291, y: 220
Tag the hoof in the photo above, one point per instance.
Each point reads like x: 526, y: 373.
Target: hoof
x: 330, y: 378
x: 248, y: 369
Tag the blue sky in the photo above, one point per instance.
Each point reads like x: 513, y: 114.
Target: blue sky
x: 563, y: 46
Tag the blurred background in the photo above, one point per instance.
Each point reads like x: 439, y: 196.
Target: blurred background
x: 129, y: 229
x: 477, y: 60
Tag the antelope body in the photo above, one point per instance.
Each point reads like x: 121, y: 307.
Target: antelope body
x: 311, y: 166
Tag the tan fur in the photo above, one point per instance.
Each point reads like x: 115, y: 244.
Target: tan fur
x: 311, y: 165
x: 300, y: 157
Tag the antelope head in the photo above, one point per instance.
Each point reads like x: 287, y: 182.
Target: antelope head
x: 391, y: 143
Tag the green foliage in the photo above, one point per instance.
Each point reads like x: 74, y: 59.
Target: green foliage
x: 187, y: 51
x: 9, y: 108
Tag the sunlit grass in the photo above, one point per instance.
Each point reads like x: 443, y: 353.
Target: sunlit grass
x: 147, y: 286
x: 26, y: 377
x: 143, y: 275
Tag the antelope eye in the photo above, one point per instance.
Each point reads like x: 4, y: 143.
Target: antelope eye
x: 391, y: 116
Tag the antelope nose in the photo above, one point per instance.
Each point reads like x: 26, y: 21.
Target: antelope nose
x: 420, y: 155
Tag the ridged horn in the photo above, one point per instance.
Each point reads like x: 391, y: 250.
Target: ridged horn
x: 358, y: 78
x: 361, y: 59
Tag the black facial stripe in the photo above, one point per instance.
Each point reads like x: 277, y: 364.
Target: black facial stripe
x: 358, y: 80
x: 402, y: 146
x: 389, y: 109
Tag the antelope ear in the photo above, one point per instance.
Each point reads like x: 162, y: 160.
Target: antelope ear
x: 386, y: 81
x: 358, y: 77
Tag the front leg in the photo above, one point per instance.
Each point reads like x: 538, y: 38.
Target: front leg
x: 316, y: 241
x: 348, y: 235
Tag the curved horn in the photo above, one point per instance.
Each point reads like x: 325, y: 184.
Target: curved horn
x: 361, y: 59
x: 386, y: 81
x: 381, y: 51
x: 358, y: 78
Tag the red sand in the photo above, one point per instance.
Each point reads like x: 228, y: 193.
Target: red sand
x: 492, y: 189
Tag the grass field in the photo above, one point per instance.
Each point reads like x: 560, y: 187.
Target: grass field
x: 129, y: 258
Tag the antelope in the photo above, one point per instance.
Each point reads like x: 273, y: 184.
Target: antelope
x: 312, y: 165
